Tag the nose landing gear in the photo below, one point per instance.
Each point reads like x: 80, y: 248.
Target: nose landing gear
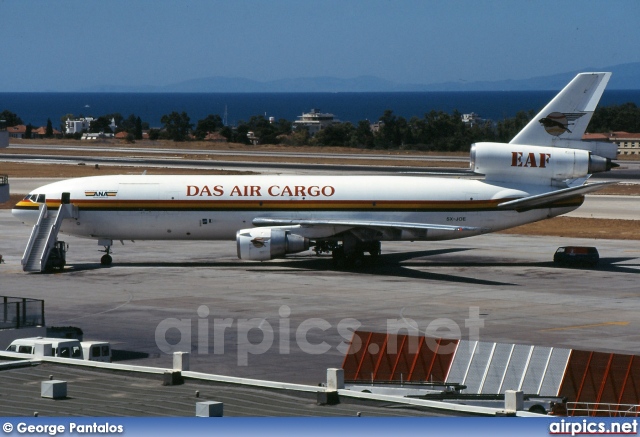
x: 106, y: 259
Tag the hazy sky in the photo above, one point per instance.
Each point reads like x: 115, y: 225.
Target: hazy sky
x: 66, y: 45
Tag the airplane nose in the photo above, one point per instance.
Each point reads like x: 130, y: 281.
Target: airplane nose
x: 25, y: 216
x: 16, y: 213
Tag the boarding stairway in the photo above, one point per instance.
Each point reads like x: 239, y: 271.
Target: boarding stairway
x: 44, y: 236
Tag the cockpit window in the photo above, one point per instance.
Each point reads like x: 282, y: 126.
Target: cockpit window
x: 37, y: 198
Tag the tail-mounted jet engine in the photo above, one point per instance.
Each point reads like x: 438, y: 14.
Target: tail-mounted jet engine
x: 534, y: 164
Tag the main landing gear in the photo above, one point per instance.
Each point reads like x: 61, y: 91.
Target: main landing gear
x: 351, y: 253
x: 106, y: 259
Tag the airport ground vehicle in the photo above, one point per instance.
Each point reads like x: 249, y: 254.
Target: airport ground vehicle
x: 96, y: 351
x: 65, y: 348
x: 577, y: 256
x: 57, y: 257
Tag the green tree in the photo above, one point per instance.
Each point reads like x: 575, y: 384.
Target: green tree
x: 437, y: 130
x: 335, y: 135
x: 362, y: 137
x: 284, y: 127
x: 625, y: 117
x: 389, y: 135
x: 10, y: 118
x: 101, y: 124
x: 240, y: 133
x: 227, y: 132
x: 509, y: 127
x: 132, y: 125
x: 299, y: 137
x: 127, y: 124
x: 441, y: 129
x: 28, y: 132
x: 263, y: 129
x: 177, y: 126
x: 49, y: 130
x: 211, y: 123
x: 137, y: 134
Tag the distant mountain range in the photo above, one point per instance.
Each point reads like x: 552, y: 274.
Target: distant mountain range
x: 625, y: 76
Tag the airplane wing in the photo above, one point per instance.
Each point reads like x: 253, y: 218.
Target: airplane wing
x: 361, y: 224
x: 540, y: 200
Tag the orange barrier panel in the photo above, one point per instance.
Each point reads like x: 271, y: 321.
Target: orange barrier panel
x: 594, y: 383
x: 607, y: 383
x: 382, y: 357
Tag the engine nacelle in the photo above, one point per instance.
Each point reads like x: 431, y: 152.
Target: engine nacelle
x: 260, y: 244
x: 534, y: 164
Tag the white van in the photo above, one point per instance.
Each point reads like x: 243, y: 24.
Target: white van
x: 60, y: 347
x: 96, y: 351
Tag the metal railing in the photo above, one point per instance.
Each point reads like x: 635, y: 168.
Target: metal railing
x: 20, y: 312
x: 596, y: 409
x: 34, y: 234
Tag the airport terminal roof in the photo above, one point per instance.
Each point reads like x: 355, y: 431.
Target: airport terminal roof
x: 92, y: 392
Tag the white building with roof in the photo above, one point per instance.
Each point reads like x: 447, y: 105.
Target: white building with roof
x: 472, y: 119
x: 628, y: 143
x: 315, y: 121
x: 78, y: 125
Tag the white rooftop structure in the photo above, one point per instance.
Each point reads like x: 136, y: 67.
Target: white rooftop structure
x: 82, y: 125
x: 471, y: 118
x: 315, y: 121
x: 78, y: 125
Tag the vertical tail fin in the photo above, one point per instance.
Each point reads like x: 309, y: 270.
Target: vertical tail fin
x: 563, y: 121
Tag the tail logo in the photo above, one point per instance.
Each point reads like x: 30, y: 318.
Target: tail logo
x: 558, y: 123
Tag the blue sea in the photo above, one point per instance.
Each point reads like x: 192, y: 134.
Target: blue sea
x: 36, y: 108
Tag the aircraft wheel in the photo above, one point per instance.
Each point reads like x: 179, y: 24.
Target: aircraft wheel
x: 374, y: 249
x: 358, y: 260
x: 339, y: 260
x: 106, y: 260
x: 347, y: 261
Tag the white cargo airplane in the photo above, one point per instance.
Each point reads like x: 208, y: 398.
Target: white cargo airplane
x: 540, y: 174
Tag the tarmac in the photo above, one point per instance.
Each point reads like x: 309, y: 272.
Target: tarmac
x: 289, y: 320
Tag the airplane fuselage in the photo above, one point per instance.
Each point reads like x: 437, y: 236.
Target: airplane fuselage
x: 213, y: 207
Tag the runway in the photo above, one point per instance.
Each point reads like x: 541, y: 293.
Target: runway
x: 254, y: 166
x: 290, y: 319
x: 609, y: 207
x: 245, y: 153
x: 629, y: 171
